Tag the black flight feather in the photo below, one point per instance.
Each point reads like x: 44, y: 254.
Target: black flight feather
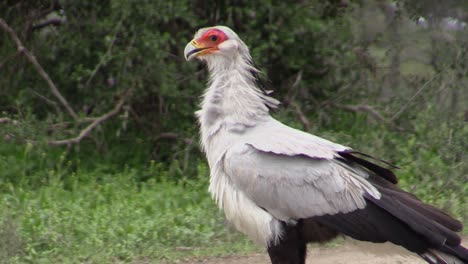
x: 381, y: 171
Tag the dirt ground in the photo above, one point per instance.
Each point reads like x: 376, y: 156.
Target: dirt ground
x: 351, y: 252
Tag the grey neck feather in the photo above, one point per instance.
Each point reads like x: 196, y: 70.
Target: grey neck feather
x: 232, y: 96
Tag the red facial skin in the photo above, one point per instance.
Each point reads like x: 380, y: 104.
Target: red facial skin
x: 210, y: 40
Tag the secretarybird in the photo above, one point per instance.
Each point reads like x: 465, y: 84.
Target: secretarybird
x: 284, y: 188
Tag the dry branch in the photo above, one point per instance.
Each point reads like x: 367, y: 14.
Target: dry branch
x: 52, y: 21
x: 302, y: 117
x: 291, y: 100
x: 48, y: 101
x: 362, y: 108
x: 366, y: 109
x: 405, y: 106
x: 106, y: 56
x: 187, y: 152
x: 32, y: 59
x: 84, y: 133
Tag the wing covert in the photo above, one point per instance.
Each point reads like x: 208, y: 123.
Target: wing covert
x: 294, y: 187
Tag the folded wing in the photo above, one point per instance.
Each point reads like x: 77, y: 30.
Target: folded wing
x: 290, y: 184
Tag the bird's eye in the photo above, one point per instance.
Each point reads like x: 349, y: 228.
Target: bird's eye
x: 213, y: 38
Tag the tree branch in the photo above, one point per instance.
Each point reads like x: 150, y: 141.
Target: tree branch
x: 302, y: 117
x: 405, y: 106
x: 52, y: 21
x: 84, y: 133
x: 366, y: 109
x: 106, y: 56
x: 362, y: 108
x: 47, y: 100
x: 32, y: 59
x: 291, y: 100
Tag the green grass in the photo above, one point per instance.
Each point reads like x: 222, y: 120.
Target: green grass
x: 94, y: 217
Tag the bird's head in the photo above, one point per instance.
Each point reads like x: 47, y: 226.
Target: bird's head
x: 215, y: 43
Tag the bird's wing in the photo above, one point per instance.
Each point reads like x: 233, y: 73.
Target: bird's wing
x: 282, y: 174
x: 273, y: 136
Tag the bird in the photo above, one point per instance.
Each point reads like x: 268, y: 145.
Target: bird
x: 285, y: 188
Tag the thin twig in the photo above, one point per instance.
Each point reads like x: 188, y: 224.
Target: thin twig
x: 405, y: 106
x: 293, y: 88
x: 187, y: 150
x: 362, y: 108
x: 91, y: 126
x: 367, y: 109
x: 302, y: 117
x: 291, y: 100
x: 138, y: 120
x: 47, y: 100
x: 22, y: 49
x: 106, y: 56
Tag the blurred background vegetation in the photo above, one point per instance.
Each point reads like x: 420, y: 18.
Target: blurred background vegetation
x: 99, y: 155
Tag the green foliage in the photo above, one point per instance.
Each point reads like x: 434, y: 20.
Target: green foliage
x: 330, y: 52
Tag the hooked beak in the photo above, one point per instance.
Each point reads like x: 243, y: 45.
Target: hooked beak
x: 192, y: 49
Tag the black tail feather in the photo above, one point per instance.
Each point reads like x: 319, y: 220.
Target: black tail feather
x: 376, y: 225
x: 415, y: 203
x: 436, y: 233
